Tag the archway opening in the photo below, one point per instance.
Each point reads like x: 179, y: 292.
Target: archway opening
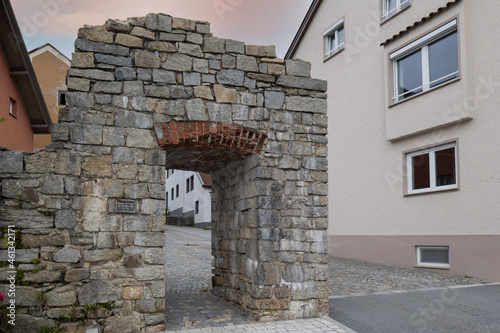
x: 201, y: 263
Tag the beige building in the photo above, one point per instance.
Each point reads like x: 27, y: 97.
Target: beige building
x: 414, y: 89
x: 51, y: 67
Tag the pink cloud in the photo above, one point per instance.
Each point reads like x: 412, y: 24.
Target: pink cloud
x: 248, y: 20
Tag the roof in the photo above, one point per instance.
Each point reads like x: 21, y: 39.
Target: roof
x: 21, y: 70
x: 47, y: 47
x: 206, y: 179
x: 303, y: 28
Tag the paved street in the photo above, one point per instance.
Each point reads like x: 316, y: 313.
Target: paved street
x: 365, y: 297
x: 449, y: 309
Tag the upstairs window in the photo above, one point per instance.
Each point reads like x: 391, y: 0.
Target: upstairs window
x: 176, y: 191
x: 187, y: 185
x: 392, y: 7
x: 426, y: 63
x: 192, y: 183
x: 13, y: 107
x: 334, y: 39
x: 433, y: 169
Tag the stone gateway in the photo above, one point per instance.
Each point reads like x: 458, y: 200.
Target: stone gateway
x: 159, y: 92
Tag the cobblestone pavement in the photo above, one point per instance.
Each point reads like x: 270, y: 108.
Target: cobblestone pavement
x: 191, y: 306
x: 189, y: 260
x: 349, y: 277
x: 188, y: 301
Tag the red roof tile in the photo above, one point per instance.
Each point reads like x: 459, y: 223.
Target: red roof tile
x: 206, y: 179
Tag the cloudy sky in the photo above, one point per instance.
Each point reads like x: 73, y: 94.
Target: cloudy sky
x: 261, y: 22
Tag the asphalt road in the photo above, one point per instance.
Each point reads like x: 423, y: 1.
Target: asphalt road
x: 474, y: 309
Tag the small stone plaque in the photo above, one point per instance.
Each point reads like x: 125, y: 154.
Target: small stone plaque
x: 125, y: 206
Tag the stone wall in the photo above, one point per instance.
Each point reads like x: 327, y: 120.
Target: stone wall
x: 160, y: 92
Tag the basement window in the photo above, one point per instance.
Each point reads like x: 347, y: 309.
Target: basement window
x: 433, y: 256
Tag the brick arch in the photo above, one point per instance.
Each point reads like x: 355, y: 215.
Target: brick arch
x: 214, y: 144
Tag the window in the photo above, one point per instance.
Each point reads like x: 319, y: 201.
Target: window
x: 192, y: 183
x: 172, y: 193
x: 426, y: 63
x: 197, y: 207
x: 177, y: 191
x: 334, y: 39
x: 392, y: 7
x: 13, y: 107
x: 433, y: 169
x: 432, y: 256
x: 187, y: 185
x: 61, y: 99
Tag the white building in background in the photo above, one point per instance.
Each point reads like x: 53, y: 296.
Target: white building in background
x: 188, y: 193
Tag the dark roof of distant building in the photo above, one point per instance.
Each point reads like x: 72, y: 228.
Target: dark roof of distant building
x: 21, y: 70
x: 48, y: 45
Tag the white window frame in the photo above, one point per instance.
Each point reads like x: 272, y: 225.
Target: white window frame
x: 330, y: 50
x: 13, y: 107
x: 423, y: 45
x: 432, y: 169
x: 386, y: 14
x: 430, y: 264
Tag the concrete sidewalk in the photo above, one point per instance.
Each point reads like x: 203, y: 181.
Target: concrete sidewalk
x: 291, y: 326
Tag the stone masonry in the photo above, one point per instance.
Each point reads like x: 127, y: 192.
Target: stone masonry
x: 159, y: 92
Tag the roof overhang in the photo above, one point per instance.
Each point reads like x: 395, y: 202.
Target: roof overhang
x: 21, y: 70
x: 417, y: 23
x: 303, y: 28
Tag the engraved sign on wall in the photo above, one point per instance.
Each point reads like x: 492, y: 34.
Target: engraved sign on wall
x: 125, y: 206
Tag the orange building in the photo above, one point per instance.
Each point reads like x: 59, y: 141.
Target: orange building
x: 22, y: 107
x: 51, y: 67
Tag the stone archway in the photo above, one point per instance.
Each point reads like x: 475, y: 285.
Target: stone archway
x: 156, y: 92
